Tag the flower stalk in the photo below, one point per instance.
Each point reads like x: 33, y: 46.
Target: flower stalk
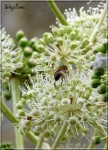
x: 106, y: 144
x: 100, y: 128
x: 15, y: 90
x: 57, y: 12
x: 60, y: 135
x: 8, y: 114
x: 40, y: 141
x: 102, y: 17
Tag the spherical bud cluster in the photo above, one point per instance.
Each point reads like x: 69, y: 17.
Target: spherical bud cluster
x: 61, y: 42
x: 99, y: 66
x: 26, y: 48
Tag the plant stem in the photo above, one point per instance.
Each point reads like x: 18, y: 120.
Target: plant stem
x: 60, y: 135
x: 91, y: 144
x: 106, y: 144
x: 57, y: 12
x: 40, y: 141
x: 102, y: 17
x: 100, y: 128
x: 31, y: 136
x: 15, y: 91
x: 8, y: 114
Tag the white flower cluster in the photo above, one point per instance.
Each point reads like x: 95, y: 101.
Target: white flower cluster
x: 72, y: 99
x: 8, y: 56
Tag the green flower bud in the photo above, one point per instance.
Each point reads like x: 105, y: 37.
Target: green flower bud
x: 23, y: 42
x: 31, y: 63
x: 45, y: 35
x: 7, y: 95
x: 25, y: 96
x: 73, y: 121
x: 85, y: 50
x: 23, y: 101
x: 19, y: 105
x: 95, y: 77
x: 50, y: 39
x: 72, y: 35
x: 21, y: 113
x: 55, y: 31
x: 85, y: 42
x: 41, y: 41
x: 61, y: 31
x: 57, y: 118
x: 68, y: 29
x: 40, y: 48
x: 102, y: 89
x: 76, y: 30
x: 85, y: 130
x: 96, y: 140
x: 47, y: 133
x: 6, y: 74
x: 60, y: 41
x: 106, y: 46
x: 99, y: 71
x: 101, y: 49
x: 34, y: 47
x: 105, y: 97
x: 73, y: 45
x: 95, y: 83
x: 53, y: 57
x: 34, y: 112
x: 32, y: 42
x: 20, y: 34
x: 27, y: 51
x: 36, y: 55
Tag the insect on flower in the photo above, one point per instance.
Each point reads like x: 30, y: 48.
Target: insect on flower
x: 29, y: 118
x: 60, y: 73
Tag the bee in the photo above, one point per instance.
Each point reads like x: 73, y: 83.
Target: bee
x: 71, y: 100
x: 29, y: 118
x: 60, y: 73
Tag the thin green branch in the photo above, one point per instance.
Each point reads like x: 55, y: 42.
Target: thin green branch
x: 106, y: 142
x: 100, y: 128
x: 60, y: 135
x: 15, y: 91
x: 102, y: 17
x: 40, y: 141
x: 8, y: 114
x: 57, y: 12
